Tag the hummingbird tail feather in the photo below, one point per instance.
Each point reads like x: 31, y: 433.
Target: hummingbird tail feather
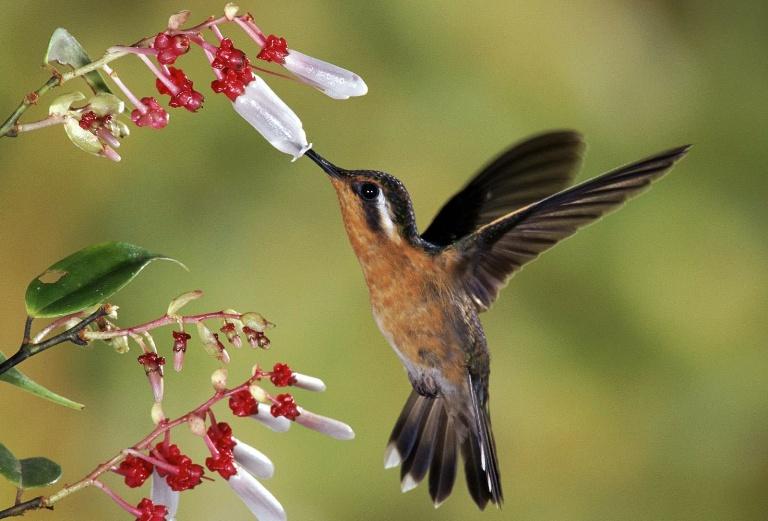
x: 478, y: 449
x: 426, y: 439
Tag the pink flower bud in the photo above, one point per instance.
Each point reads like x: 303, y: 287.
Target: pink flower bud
x: 153, y: 367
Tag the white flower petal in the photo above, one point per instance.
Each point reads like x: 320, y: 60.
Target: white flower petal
x: 279, y: 424
x: 258, y: 499
x: 329, y: 426
x: 309, y: 383
x: 274, y: 120
x: 253, y: 460
x: 334, y: 81
x: 163, y: 495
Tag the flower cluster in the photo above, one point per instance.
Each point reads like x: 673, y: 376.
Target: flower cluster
x: 234, y: 77
x: 161, y: 456
x: 240, y: 464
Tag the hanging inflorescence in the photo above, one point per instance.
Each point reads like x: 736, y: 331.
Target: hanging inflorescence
x: 92, y: 123
x: 161, y: 459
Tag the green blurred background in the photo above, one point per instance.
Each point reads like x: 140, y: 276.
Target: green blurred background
x: 629, y: 373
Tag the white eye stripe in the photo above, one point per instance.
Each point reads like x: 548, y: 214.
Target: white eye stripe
x: 384, y: 216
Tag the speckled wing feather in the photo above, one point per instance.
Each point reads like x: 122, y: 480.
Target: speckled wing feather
x: 488, y: 257
x: 525, y: 173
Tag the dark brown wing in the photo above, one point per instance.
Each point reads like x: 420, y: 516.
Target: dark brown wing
x: 525, y: 173
x: 488, y: 257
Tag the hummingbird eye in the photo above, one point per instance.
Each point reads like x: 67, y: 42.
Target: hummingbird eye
x: 369, y: 191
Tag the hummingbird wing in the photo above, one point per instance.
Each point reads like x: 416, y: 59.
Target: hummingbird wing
x: 525, y: 173
x: 488, y: 257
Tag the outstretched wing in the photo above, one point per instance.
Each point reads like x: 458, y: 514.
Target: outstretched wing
x: 525, y: 173
x: 488, y: 257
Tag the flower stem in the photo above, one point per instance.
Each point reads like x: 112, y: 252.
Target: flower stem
x: 47, y: 122
x: 128, y: 94
x: 217, y: 32
x: 251, y: 29
x: 160, y: 75
x: 159, y: 322
x: 116, y: 498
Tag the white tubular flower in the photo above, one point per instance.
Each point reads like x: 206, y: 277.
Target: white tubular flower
x: 253, y: 460
x: 163, y: 495
x: 308, y: 383
x: 256, y: 497
x: 272, y: 118
x: 325, y: 425
x: 333, y: 81
x: 279, y: 424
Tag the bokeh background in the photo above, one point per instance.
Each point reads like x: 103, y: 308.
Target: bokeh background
x: 629, y: 365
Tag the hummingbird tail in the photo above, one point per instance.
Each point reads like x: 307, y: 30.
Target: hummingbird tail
x: 478, y: 449
x: 426, y: 439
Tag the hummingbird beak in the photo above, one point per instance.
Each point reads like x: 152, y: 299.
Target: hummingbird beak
x: 329, y: 168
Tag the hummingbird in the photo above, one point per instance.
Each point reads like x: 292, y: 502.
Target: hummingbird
x: 428, y: 289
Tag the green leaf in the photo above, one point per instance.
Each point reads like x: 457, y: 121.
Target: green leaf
x: 66, y: 50
x: 9, y: 465
x: 15, y: 377
x: 87, y: 278
x: 39, y: 472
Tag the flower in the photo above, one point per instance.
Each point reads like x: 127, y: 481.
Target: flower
x: 221, y: 443
x: 282, y: 376
x: 212, y: 344
x: 153, y: 367
x: 235, y: 69
x: 148, y: 511
x: 253, y: 460
x: 277, y: 424
x: 284, y: 406
x: 135, y: 470
x: 243, y: 403
x: 163, y: 494
x: 170, y: 47
x: 187, y: 475
x: 180, y: 339
x: 334, y: 81
x: 185, y: 95
x: 95, y: 127
x: 256, y: 497
x: 325, y: 425
x: 150, y: 114
x: 272, y: 118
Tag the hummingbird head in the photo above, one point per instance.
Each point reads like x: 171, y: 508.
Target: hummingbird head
x: 375, y: 206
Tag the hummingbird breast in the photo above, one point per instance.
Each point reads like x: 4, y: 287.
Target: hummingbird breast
x: 429, y: 323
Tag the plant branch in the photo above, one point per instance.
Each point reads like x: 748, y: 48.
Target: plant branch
x: 159, y: 322
x: 73, y: 334
x: 92, y: 478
